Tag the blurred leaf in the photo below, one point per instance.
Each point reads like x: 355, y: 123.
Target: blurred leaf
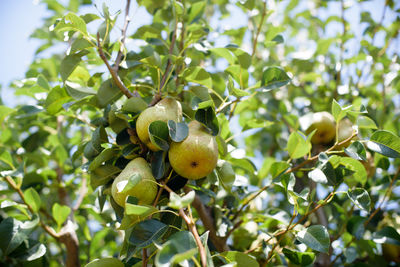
x: 387, y: 235
x: 239, y: 258
x: 69, y: 63
x: 134, y: 104
x: 360, y: 197
x: 6, y: 157
x: 71, y: 22
x: 355, y: 226
x: 315, y: 237
x: 105, y: 262
x: 178, y: 202
x: 55, y: 100
x: 385, y: 143
x: 33, y: 198
x: 198, y: 75
x: 274, y: 77
x: 299, y: 258
x: 178, y: 249
x: 60, y: 213
x: 108, y: 93
x: 103, y: 175
x: 357, y: 151
x: 298, y: 146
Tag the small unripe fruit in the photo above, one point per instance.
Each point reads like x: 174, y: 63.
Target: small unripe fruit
x: 197, y: 155
x: 165, y: 110
x: 326, y: 129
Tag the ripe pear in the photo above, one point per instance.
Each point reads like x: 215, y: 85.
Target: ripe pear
x: 325, y: 125
x: 197, y: 155
x: 391, y: 252
x: 166, y: 109
x: 145, y: 190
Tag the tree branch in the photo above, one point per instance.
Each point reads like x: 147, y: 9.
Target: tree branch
x: 123, y: 36
x: 192, y: 228
x: 259, y: 29
x: 112, y: 71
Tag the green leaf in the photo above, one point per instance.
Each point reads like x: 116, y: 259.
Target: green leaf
x: 4, y: 112
x: 299, y: 258
x: 385, y: 143
x: 360, y: 197
x: 363, y: 122
x: 158, y: 164
x: 128, y: 184
x: 69, y: 63
x: 103, y: 175
x: 104, y: 156
x: 72, y: 22
x: 105, y: 262
x: 196, y: 10
x: 207, y: 118
x: 55, y: 100
x: 240, y: 258
x: 76, y: 91
x: 318, y: 176
x: 108, y: 93
x: 388, y: 235
x: 178, y: 202
x: 6, y: 157
x: 139, y: 210
x: 178, y: 131
x: 146, y: 232
x: 158, y: 133
x: 134, y: 104
x: 351, y: 254
x: 257, y: 123
x: 60, y: 213
x: 42, y: 82
x: 298, y: 145
x: 358, y: 172
x: 226, y: 175
x: 355, y: 226
x: 11, y: 235
x: 315, y: 237
x: 225, y: 53
x: 337, y: 111
x: 33, y: 198
x: 357, y: 151
x: 274, y: 77
x: 180, y: 247
x: 198, y: 75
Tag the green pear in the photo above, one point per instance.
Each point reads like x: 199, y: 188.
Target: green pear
x: 197, y: 155
x: 391, y: 252
x: 166, y: 109
x: 145, y: 190
x: 325, y: 125
x: 345, y: 130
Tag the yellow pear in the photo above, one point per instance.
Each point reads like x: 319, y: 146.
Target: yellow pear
x: 166, y: 109
x: 325, y: 125
x: 145, y: 189
x: 391, y: 252
x: 197, y: 155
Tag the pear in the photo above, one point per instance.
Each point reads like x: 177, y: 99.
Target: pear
x: 166, y: 109
x: 145, y: 189
x: 325, y: 125
x: 197, y: 155
x: 391, y: 252
x: 345, y: 131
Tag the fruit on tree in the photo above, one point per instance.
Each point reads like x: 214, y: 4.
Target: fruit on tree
x: 142, y: 183
x: 325, y: 125
x: 197, y: 155
x: 345, y: 130
x: 391, y: 252
x: 166, y: 109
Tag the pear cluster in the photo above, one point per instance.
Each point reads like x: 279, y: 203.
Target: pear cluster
x: 193, y: 158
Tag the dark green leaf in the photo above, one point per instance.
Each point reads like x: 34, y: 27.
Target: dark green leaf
x: 385, y: 143
x: 387, y: 235
x: 178, y: 131
x: 207, y: 118
x: 355, y: 226
x: 69, y: 63
x: 108, y: 93
x: 356, y: 150
x: 158, y: 133
x: 315, y: 237
x: 360, y: 197
x: 274, y: 77
x: 299, y: 258
x: 158, y: 164
x: 146, y: 232
x: 103, y: 175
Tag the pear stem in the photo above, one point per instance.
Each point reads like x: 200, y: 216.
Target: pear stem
x: 192, y: 228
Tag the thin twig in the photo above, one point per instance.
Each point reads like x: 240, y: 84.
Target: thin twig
x: 123, y: 36
x: 192, y: 228
x: 113, y: 73
x: 259, y: 29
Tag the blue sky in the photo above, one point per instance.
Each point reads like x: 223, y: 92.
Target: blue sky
x: 18, y: 19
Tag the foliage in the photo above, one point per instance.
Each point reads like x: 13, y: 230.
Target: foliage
x: 273, y: 199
